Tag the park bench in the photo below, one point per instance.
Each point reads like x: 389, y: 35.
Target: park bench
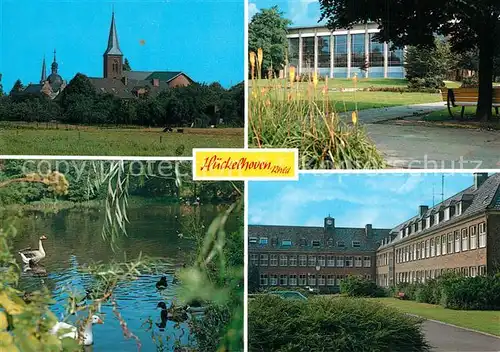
x: 467, y: 97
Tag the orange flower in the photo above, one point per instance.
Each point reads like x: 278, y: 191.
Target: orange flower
x: 354, y: 117
x: 260, y: 56
x: 315, y: 79
x: 292, y: 74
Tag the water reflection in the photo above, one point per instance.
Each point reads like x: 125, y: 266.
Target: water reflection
x: 74, y: 240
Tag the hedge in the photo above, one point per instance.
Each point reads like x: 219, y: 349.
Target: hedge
x: 356, y: 286
x: 331, y: 324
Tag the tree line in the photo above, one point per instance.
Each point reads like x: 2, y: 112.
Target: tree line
x: 199, y: 105
x: 143, y: 184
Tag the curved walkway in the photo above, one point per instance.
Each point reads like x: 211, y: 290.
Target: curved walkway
x: 447, y: 338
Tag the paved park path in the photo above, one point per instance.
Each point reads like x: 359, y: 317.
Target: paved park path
x: 446, y: 338
x: 429, y: 147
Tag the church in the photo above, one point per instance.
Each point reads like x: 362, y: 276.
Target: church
x: 116, y: 81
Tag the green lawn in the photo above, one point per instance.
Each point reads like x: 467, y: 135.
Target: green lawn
x: 126, y: 142
x: 341, y: 83
x: 485, y: 321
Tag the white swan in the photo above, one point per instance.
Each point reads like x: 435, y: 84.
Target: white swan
x: 87, y: 337
x: 34, y: 255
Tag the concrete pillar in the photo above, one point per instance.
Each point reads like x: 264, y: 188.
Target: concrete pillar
x: 332, y: 51
x: 367, y: 49
x: 300, y: 54
x: 386, y: 59
x: 316, y: 50
x: 349, y: 53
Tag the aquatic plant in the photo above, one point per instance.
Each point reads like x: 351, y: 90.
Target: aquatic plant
x: 293, y: 115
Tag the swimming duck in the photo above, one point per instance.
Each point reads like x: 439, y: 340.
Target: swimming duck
x: 87, y: 337
x: 28, y: 254
x: 35, y: 269
x: 162, y: 284
x: 163, y: 315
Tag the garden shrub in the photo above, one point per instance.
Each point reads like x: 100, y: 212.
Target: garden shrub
x: 209, y: 329
x: 331, y: 324
x: 470, y: 82
x: 356, y: 286
x: 473, y: 293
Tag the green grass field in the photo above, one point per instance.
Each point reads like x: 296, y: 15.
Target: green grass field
x: 342, y: 83
x: 485, y: 321
x: 28, y: 140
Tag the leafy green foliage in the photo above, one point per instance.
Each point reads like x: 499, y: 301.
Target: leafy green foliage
x: 426, y: 67
x: 356, y: 286
x: 18, y: 87
x: 126, y: 65
x: 326, y: 324
x: 267, y: 30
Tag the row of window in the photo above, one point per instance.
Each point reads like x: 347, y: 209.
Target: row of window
x: 302, y: 280
x: 456, y: 242
x: 311, y: 260
x: 302, y: 242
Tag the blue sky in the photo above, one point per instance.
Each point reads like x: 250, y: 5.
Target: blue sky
x: 300, y: 12
x: 354, y: 200
x: 203, y: 38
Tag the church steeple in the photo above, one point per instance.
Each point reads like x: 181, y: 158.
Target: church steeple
x: 44, y: 72
x: 54, y: 65
x: 113, y: 57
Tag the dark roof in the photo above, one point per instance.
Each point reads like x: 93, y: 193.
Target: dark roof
x: 165, y: 76
x: 481, y: 199
x: 297, y: 233
x: 113, y: 44
x: 33, y: 89
x: 118, y: 88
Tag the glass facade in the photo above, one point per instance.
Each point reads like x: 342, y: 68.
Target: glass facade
x: 324, y: 50
x: 358, y: 55
x: 293, y: 51
x: 376, y: 69
x: 395, y: 63
x: 308, y: 53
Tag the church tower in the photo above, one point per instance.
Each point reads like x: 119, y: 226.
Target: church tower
x: 44, y: 72
x: 113, y: 57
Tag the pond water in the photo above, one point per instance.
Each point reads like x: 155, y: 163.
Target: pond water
x: 74, y: 240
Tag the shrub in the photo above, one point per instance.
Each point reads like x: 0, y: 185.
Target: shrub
x: 427, y: 67
x: 209, y: 329
x: 356, y: 286
x: 474, y: 293
x: 470, y: 82
x: 326, y: 324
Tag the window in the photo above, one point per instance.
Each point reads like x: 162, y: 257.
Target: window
x: 450, y: 243
x: 303, y: 242
x: 308, y: 52
x: 340, y: 244
x: 358, y: 56
x: 330, y: 280
x: 358, y: 262
x: 457, y: 241
x: 415, y: 251
x: 433, y: 248
x: 283, y: 260
x: 329, y: 243
x: 254, y: 259
x: 292, y: 260
x: 316, y: 243
x: 253, y: 239
x: 263, y: 279
x: 376, y: 52
x: 436, y: 218
x: 283, y: 280
x: 264, y: 259
x: 427, y: 222
x: 263, y: 240
x: 330, y: 260
x: 286, y: 243
x: 465, y: 240
x: 274, y: 241
x: 348, y: 262
x: 418, y: 251
x: 367, y: 276
x: 273, y: 260
x: 324, y: 46
x: 443, y: 244
x: 321, y: 280
x: 312, y: 280
x: 482, y: 235
x: 302, y: 260
x: 321, y: 260
x: 473, y: 271
x: 293, y: 51
x: 447, y: 214
x: 312, y: 260
x: 273, y: 280
x: 438, y: 245
x: 340, y: 51
x: 367, y: 262
x: 340, y: 262
x: 395, y: 57
x: 473, y: 237
x: 292, y: 280
x: 339, y: 279
x: 302, y: 280
x: 427, y: 248
x: 356, y: 244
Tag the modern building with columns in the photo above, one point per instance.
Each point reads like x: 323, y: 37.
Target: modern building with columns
x: 341, y: 53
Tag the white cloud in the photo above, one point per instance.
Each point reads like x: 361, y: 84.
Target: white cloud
x: 252, y: 10
x: 303, y: 12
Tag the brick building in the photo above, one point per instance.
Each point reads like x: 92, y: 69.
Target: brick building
x: 459, y: 234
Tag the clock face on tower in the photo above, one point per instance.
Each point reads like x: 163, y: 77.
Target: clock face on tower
x: 329, y: 222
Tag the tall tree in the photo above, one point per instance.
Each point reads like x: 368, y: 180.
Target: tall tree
x: 268, y: 30
x: 126, y: 65
x: 18, y: 87
x: 1, y: 87
x: 468, y: 24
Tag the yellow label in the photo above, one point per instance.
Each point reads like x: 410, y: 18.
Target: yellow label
x: 245, y: 164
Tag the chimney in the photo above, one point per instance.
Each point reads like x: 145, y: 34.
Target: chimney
x: 422, y: 209
x: 156, y: 82
x: 368, y: 230
x: 479, y: 178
